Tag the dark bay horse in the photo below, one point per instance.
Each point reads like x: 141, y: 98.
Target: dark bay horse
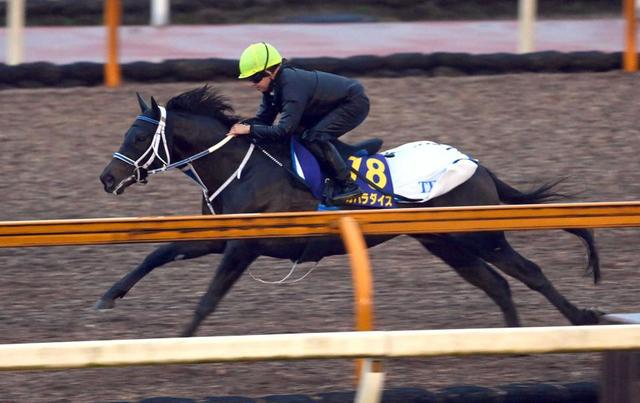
x: 193, y: 121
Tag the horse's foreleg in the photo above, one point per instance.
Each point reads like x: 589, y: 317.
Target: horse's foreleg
x: 161, y: 256
x: 237, y: 257
x: 494, y: 248
x: 475, y: 271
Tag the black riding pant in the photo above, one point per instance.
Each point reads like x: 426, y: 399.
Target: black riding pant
x: 343, y: 118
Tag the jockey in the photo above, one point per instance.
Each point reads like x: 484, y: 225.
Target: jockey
x: 318, y: 107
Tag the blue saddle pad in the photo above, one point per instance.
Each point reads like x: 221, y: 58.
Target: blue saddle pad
x: 372, y: 167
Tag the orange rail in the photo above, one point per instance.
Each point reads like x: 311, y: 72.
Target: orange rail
x: 297, y: 224
x: 362, y: 280
x: 630, y: 54
x: 112, y: 14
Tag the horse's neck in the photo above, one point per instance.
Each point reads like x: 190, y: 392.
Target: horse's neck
x: 194, y: 134
x: 252, y: 181
x: 262, y: 184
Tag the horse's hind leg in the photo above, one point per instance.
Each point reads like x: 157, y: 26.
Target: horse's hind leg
x: 238, y: 255
x: 161, y: 256
x: 495, y: 249
x: 475, y: 271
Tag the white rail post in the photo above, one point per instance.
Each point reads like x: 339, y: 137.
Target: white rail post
x: 370, y: 385
x: 15, y: 39
x: 159, y: 13
x: 526, y: 19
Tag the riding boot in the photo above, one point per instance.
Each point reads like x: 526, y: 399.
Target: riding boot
x: 346, y: 187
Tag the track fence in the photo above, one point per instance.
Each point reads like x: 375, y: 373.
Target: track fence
x: 352, y: 226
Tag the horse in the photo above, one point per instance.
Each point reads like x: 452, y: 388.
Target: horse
x: 185, y: 130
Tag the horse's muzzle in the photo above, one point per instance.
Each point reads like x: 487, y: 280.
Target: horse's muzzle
x: 115, y: 178
x: 111, y: 186
x: 108, y: 181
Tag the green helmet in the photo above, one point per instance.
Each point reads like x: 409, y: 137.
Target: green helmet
x: 258, y: 57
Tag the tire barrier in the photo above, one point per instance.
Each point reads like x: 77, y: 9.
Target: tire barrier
x: 580, y: 392
x: 44, y: 74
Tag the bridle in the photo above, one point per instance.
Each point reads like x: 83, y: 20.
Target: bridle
x: 159, y: 143
x: 147, y: 158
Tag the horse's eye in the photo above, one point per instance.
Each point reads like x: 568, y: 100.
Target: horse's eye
x: 140, y: 138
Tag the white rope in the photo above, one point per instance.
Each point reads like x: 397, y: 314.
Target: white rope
x: 284, y: 280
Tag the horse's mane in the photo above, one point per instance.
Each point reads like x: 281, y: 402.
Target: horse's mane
x: 205, y: 101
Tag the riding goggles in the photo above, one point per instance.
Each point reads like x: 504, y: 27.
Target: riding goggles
x: 256, y: 78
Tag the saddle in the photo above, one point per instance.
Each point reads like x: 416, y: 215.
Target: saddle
x: 411, y: 173
x: 364, y: 148
x: 369, y: 170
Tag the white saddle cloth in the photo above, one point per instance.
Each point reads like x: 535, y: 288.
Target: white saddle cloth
x: 423, y: 169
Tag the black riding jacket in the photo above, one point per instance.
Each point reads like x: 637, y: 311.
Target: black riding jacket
x: 301, y: 98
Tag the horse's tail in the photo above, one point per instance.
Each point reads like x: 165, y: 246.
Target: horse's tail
x: 544, y: 193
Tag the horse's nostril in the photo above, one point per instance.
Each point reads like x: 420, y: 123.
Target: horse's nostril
x: 107, y: 180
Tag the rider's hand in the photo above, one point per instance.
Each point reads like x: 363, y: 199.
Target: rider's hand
x: 239, y: 129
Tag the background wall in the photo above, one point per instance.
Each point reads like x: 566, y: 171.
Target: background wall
x: 89, y: 12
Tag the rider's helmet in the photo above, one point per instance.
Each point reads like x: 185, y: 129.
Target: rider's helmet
x: 257, y: 58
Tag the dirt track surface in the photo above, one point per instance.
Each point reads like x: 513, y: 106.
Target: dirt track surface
x: 527, y: 128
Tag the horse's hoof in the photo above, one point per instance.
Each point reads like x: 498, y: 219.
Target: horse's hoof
x: 592, y: 316
x: 104, y: 304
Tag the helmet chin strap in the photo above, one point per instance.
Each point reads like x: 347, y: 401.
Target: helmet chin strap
x: 272, y: 78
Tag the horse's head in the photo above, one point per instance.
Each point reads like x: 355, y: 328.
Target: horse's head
x: 145, y: 147
x: 198, y: 119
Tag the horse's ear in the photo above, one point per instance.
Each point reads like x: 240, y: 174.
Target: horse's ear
x: 143, y: 105
x: 154, y: 105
